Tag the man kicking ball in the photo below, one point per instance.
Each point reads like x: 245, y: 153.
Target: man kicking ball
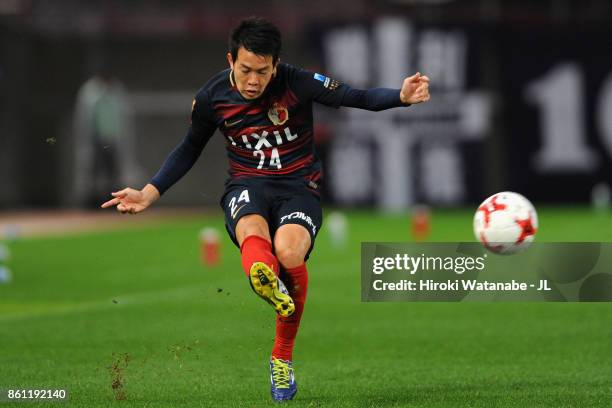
x: 272, y: 206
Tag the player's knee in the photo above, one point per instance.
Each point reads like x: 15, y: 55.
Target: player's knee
x: 252, y: 225
x: 289, y: 257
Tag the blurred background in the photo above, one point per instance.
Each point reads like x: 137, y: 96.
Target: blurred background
x: 95, y: 94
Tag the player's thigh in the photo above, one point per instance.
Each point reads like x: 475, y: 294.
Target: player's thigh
x: 303, y: 210
x: 252, y: 224
x: 245, y: 211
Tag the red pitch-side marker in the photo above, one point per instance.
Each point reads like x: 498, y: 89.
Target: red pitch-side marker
x: 420, y: 223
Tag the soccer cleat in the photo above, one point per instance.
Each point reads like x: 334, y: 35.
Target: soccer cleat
x: 282, y: 379
x: 265, y: 283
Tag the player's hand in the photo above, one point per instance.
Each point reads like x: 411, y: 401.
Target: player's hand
x: 415, y: 89
x: 132, y: 201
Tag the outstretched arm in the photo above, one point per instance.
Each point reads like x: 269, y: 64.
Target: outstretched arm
x: 330, y: 92
x: 415, y: 89
x: 174, y: 168
x: 178, y: 163
x: 181, y: 160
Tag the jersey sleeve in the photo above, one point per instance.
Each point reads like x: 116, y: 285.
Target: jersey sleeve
x: 317, y: 87
x: 184, y: 156
x: 374, y: 99
x: 327, y: 91
x: 202, y: 117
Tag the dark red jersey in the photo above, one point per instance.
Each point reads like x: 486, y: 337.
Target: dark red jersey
x: 273, y: 134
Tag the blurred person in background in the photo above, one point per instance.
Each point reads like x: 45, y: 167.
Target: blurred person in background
x: 272, y: 200
x: 104, y: 138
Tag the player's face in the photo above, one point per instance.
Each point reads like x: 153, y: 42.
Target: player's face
x: 252, y: 72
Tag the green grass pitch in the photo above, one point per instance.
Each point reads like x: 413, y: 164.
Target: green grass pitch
x: 136, y: 310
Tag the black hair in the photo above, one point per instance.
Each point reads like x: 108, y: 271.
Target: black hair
x: 257, y: 35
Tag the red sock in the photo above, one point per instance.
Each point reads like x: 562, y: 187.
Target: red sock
x: 296, y: 280
x: 257, y: 249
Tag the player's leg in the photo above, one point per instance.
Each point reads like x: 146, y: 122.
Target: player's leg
x: 253, y: 236
x: 245, y: 210
x: 299, y: 219
x: 260, y: 263
x: 292, y: 243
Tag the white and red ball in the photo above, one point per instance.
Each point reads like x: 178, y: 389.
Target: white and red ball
x: 506, y: 223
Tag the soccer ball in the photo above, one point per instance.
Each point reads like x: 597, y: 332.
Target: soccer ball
x: 506, y: 223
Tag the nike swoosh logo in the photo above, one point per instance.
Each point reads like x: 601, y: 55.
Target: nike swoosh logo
x: 230, y: 124
x: 236, y: 212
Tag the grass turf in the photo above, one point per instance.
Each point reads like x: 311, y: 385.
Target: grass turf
x: 135, y: 309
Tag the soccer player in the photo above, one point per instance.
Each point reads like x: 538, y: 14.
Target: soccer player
x: 272, y: 207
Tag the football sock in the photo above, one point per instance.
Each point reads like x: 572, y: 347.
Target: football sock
x: 257, y: 249
x: 296, y: 280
